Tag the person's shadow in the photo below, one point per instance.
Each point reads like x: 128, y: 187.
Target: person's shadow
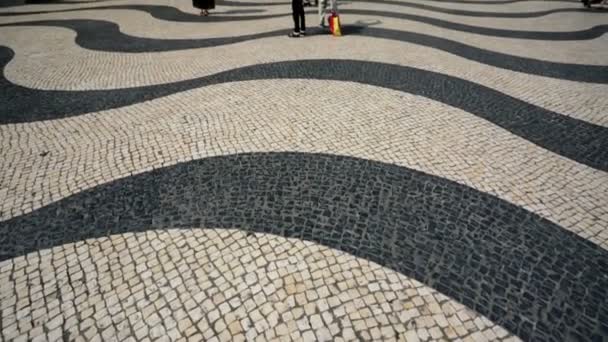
x: 358, y: 26
x: 348, y: 29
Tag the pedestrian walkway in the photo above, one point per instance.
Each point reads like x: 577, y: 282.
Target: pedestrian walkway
x: 440, y: 172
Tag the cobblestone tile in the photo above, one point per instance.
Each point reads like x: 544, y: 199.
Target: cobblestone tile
x: 468, y: 244
x: 302, y: 257
x: 584, y: 101
x: 427, y: 136
x: 509, y: 264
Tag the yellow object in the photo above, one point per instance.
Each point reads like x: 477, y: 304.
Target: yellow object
x: 336, y: 26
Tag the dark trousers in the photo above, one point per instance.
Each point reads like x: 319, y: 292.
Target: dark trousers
x: 297, y: 8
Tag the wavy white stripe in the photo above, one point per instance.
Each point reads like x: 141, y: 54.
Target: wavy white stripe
x: 550, y: 22
x: 255, y: 274
x: 304, y: 116
x: 141, y: 24
x: 53, y: 61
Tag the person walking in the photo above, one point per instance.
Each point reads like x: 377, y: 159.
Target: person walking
x: 299, y: 21
x: 322, y: 8
x: 204, y: 6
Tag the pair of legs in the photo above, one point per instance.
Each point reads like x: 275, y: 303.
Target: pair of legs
x: 299, y: 21
x: 204, y: 5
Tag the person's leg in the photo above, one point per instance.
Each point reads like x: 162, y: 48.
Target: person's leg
x: 322, y: 5
x: 296, y: 7
x: 296, y: 15
x: 302, y: 18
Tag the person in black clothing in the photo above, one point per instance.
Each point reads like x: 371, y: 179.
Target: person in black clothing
x: 299, y: 22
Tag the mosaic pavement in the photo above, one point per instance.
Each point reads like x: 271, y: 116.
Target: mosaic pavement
x: 438, y: 173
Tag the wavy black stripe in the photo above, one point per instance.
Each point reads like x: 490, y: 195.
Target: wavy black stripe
x: 172, y: 14
x: 464, y: 2
x: 512, y: 15
x: 13, y: 3
x: 575, y: 139
x: 161, y: 12
x: 494, y: 2
x: 533, y: 277
x: 586, y: 34
x: 436, y: 9
x: 168, y: 13
x: 10, y: 3
x: 469, y: 2
x: 106, y: 36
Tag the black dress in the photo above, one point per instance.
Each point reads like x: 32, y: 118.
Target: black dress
x: 204, y: 4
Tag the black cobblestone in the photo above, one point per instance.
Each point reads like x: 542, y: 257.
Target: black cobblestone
x: 106, y: 36
x: 172, y: 14
x: 575, y: 139
x: 524, y: 272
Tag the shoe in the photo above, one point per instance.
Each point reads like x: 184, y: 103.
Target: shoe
x: 302, y: 33
x: 294, y: 35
